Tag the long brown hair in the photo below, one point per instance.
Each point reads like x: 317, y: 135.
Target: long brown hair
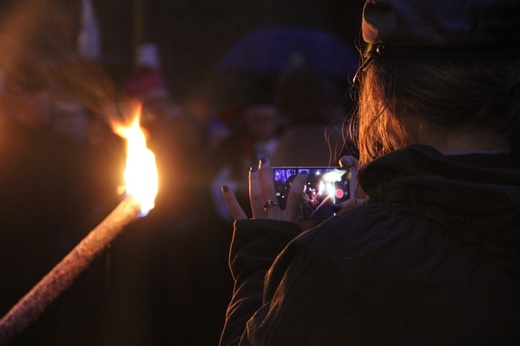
x: 465, y: 95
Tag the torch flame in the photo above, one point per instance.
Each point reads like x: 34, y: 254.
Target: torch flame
x: 141, y: 177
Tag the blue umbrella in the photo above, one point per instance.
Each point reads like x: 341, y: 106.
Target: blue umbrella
x: 273, y: 50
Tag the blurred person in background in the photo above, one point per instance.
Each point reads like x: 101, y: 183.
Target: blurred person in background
x: 257, y: 136
x: 316, y: 116
x: 212, y: 130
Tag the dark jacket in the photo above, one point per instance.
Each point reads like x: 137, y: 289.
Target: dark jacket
x: 432, y: 259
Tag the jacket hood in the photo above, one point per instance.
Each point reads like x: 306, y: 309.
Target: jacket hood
x: 477, y: 196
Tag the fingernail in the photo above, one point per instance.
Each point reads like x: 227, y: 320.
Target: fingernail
x: 335, y: 208
x: 254, y: 168
x: 263, y: 160
x: 225, y: 188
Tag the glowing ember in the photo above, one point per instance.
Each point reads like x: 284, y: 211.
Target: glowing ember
x: 141, y: 177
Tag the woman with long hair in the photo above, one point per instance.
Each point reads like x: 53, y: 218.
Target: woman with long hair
x: 431, y: 252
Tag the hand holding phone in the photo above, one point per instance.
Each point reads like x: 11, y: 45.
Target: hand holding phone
x: 262, y: 196
x: 325, y: 187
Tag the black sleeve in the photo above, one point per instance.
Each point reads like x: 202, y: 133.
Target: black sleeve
x: 254, y: 247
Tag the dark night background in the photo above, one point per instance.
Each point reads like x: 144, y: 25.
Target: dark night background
x: 191, y: 35
x: 183, y: 276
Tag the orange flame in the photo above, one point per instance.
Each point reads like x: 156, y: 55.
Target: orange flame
x: 141, y: 177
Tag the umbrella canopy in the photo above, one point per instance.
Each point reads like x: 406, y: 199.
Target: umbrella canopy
x: 273, y: 50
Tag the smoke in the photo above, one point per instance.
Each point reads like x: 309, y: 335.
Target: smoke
x: 38, y: 42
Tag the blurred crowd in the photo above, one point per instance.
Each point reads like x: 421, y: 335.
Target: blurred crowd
x: 165, y: 280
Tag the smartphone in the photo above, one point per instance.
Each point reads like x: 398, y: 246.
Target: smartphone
x: 325, y: 186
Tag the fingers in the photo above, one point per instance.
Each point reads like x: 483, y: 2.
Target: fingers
x: 357, y: 195
x: 262, y: 196
x: 294, y: 198
x: 348, y: 161
x: 234, y: 207
x: 268, y: 192
x: 255, y: 193
x: 267, y: 181
x: 262, y: 192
